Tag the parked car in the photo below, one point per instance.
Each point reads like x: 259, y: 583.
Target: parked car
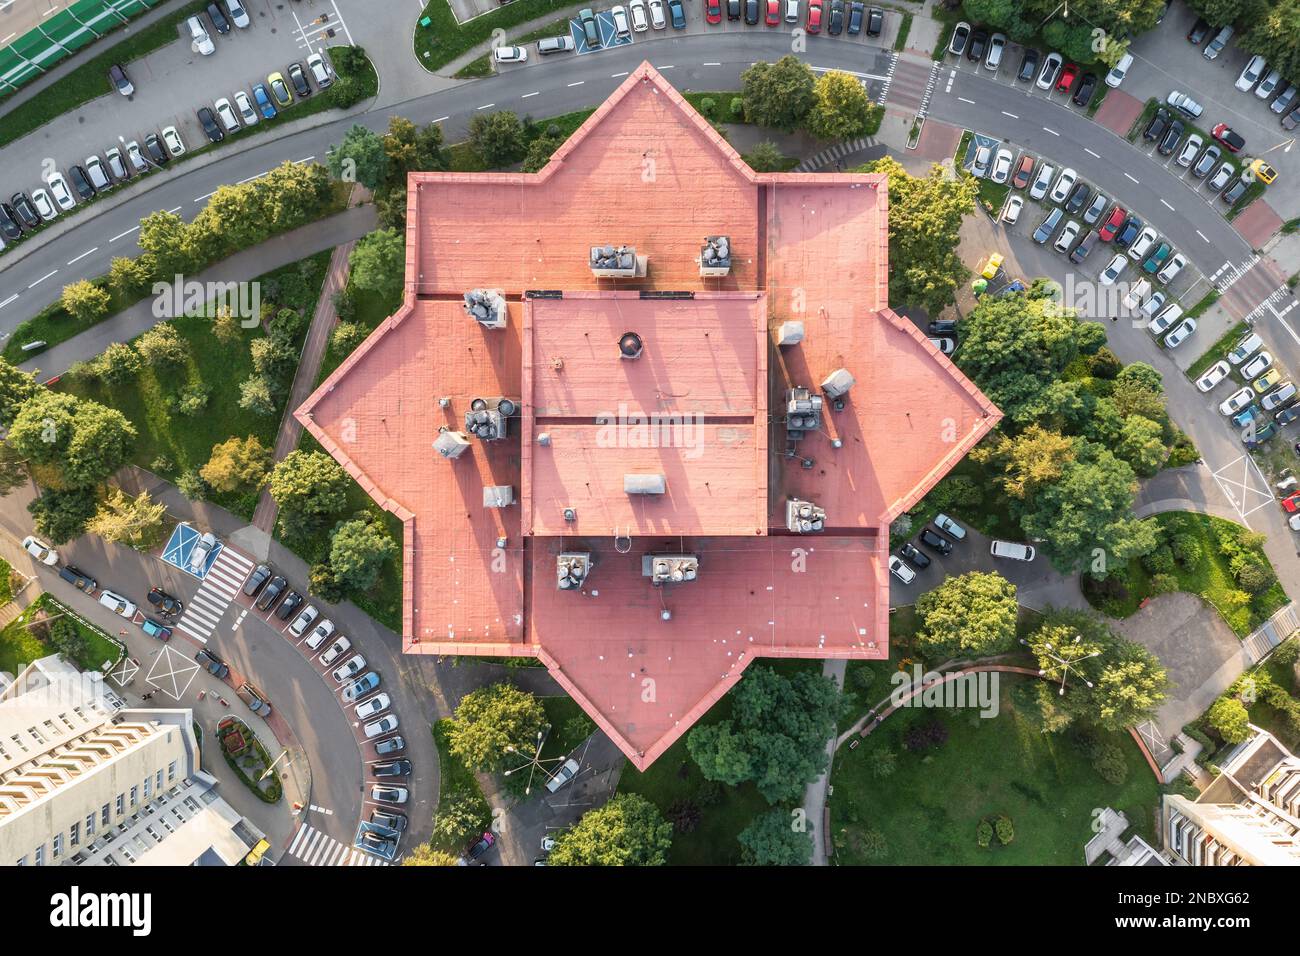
x: 659, y: 21
x: 78, y: 578
x: 1043, y: 180
x: 214, y: 664
x: 1095, y: 209
x: 292, y: 601
x: 936, y: 542
x: 1165, y: 320
x: 677, y: 12
x: 1283, y: 102
x: 45, y: 207
x: 1114, y: 269
x: 1087, y: 87
x: 320, y: 634
x: 254, y: 698
x: 1157, y: 258
x: 117, y: 604
x: 1235, y: 191
x: 336, y: 650
x: 349, y: 667
x: 1250, y: 73
x: 200, y: 42
x: 979, y: 42
x: 60, y: 191
x: 1257, y: 366
x: 550, y: 45
x: 1044, y: 231
x: 247, y: 114
x: 1246, y: 346
x: 835, y: 23
x: 1269, y: 84
x: 1067, y: 237
x: 1283, y: 393
x: 375, y: 705
x: 1184, y: 104
x: 1229, y: 137
x: 1011, y: 214
x: 1064, y: 183
x: 997, y: 46
x: 238, y: 15
x: 1028, y: 65
x: 116, y: 167
x: 257, y: 580
x: 482, y: 846
x: 393, y: 768
x: 1023, y: 171
x: 510, y: 54
x: 813, y: 24
x: 9, y: 227
x: 1221, y: 176
x: 279, y: 90
x: 1142, y: 244
x: 1078, y: 197
x: 591, y: 31
x: 1171, y: 268
x: 266, y: 600
x: 1191, y: 147
x: 960, y: 35
x: 1171, y: 137
x: 1197, y: 34
x: 1001, y: 166
x: 1216, y: 46
x: 298, y: 80
x: 388, y: 794
x: 41, y: 551
x: 1012, y: 550
x: 622, y: 30
x: 361, y: 686
x: 1215, y: 374
x: 202, y: 551
x: 384, y: 725
x: 121, y: 82
x: 164, y: 602
x: 1156, y: 126
x: 1085, y: 246
x: 211, y: 128
x: 1112, y: 224
x: 1047, y: 75
x: 1180, y: 334
x: 1128, y: 232
x: 900, y: 570
x: 1120, y: 70
x: 914, y: 556
x: 156, y: 629
x: 392, y: 745
x: 303, y: 620
x: 98, y: 174
x: 1206, y: 162
x: 567, y: 771
x: 1237, y: 401
x: 323, y: 73
x: 393, y: 821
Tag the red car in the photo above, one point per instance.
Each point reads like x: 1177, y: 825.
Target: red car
x: 773, y: 13
x: 1112, y: 224
x: 1226, y: 135
x: 713, y: 11
x: 1291, y: 503
x: 1068, y: 76
x: 814, y: 24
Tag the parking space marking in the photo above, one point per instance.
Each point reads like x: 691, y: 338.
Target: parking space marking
x: 42, y: 279
x: 1202, y: 235
x: 964, y: 100
x: 83, y: 255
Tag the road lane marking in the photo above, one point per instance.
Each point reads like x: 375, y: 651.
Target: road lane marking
x: 712, y: 64
x: 8, y: 300
x: 1202, y: 235
x: 305, y: 159
x: 1166, y: 205
x: 42, y: 279
x: 83, y: 255
x: 964, y: 100
x: 1091, y: 153
x: 205, y: 196
x: 533, y: 93
x: 487, y: 106
x: 615, y: 76
x: 577, y: 83
x: 667, y: 66
x: 1052, y: 131
x: 1012, y: 115
x: 442, y: 119
x: 121, y: 234
x: 177, y: 209
x: 1131, y: 177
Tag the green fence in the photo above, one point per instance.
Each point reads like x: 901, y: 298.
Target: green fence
x: 61, y: 35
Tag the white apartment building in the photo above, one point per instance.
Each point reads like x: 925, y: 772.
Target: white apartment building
x: 1249, y: 815
x: 84, y: 781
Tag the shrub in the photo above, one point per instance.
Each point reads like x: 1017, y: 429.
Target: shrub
x: 957, y: 491
x: 1159, y: 561
x: 324, y: 584
x: 1108, y: 760
x: 1163, y: 584
x: 706, y: 106
x: 1253, y: 573
x: 191, y: 401
x: 1228, y: 718
x: 1288, y: 652
x: 118, y: 364
x: 1004, y: 830
x: 708, y: 793
x: 863, y: 678
x: 1104, y: 364
x: 738, y: 106
x: 984, y: 834
x: 684, y: 815
x: 347, y: 336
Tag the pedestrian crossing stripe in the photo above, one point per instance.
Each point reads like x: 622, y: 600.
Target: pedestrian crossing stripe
x: 224, y: 579
x: 317, y: 848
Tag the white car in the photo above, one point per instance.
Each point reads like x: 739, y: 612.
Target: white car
x: 245, y: 107
x: 199, y: 556
x: 1248, y: 346
x: 510, y: 54
x: 791, y: 11
x: 1001, y: 166
x: 1152, y: 305
x: 200, y: 42
x: 172, y: 140
x: 41, y: 551
x: 1163, y: 321
x: 1011, y: 215
x: 1215, y: 374
x: 349, y: 667
x: 900, y: 570
x: 1172, y: 268
x: 384, y: 725
x: 1044, y: 179
x: 563, y: 775
x: 1294, y: 522
x: 44, y: 205
x: 943, y: 343
x: 1268, y: 84
x: 1066, y: 239
x: 226, y: 114
x: 375, y: 705
x: 336, y: 650
x: 60, y: 191
x: 997, y: 46
x: 949, y: 527
x: 1114, y: 269
x: 1047, y: 74
x: 98, y: 173
x: 238, y: 15
x: 320, y: 634
x: 1189, y: 150
x: 1064, y: 183
x: 1136, y: 293
x: 657, y: 19
x: 640, y: 21
x: 138, y: 162
x: 1251, y: 73
x: 1237, y: 401
x: 1256, y: 366
x: 387, y: 794
x: 1282, y: 393
x: 1120, y: 70
x: 1142, y: 244
x: 117, y: 604
x: 983, y: 159
x: 619, y: 15
x: 1179, y: 335
x: 303, y: 620
x: 320, y: 70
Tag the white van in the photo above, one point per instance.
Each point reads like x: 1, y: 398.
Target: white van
x: 200, y: 42
x: 1009, y: 549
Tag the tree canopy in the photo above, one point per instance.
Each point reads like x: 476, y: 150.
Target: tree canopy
x: 778, y: 94
x: 493, y: 723
x: 378, y: 263
x: 773, y: 839
x: 629, y: 830
x: 971, y: 615
x: 308, y: 487
x: 80, y: 442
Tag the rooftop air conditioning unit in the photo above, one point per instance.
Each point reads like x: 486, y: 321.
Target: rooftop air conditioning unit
x: 617, y: 262
x: 450, y: 444
x: 488, y: 418
x: 487, y: 307
x: 670, y: 568
x: 803, y: 412
x: 645, y: 484
x: 498, y: 496
x: 572, y: 568
x: 838, y: 383
x: 804, y: 517
x: 715, y: 256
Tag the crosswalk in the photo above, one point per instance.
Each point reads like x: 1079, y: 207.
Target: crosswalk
x: 220, y: 585
x: 831, y: 154
x: 316, y: 848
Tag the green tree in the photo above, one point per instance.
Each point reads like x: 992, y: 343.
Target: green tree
x: 162, y: 347
x: 1223, y: 12
x: 359, y: 157
x: 497, y: 138
x: 258, y: 394
x: 841, y: 108
x: 134, y: 521
x: 765, y: 158
x: 308, y: 488
x: 1272, y: 35
x: 1229, y: 719
x: 78, y: 442
x: 1142, y: 445
x: 1026, y: 462
x: 925, y: 216
x: 273, y: 356
x: 378, y: 263
x: 85, y: 301
x: 67, y: 639
x: 16, y: 386
x: 629, y: 830
x: 358, y: 550
x: 461, y: 816
x: 972, y: 615
x: 778, y: 94
x: 541, y: 149
x: 130, y: 277
x: 493, y: 722
x: 412, y: 149
x: 426, y: 854
x: 117, y: 364
x: 165, y: 237
x: 347, y: 337
x: 237, y: 464
x: 61, y: 515
x: 773, y: 839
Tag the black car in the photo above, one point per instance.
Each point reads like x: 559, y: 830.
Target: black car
x: 975, y: 49
x: 219, y: 19
x: 856, y: 11
x: 1078, y: 198
x: 1287, y: 416
x: 913, y: 556
x: 211, y: 128
x: 1084, y: 247
x: 164, y: 602
x: 943, y: 327
x: 1172, y: 135
x: 395, y: 768
x: 25, y: 211
x: 9, y: 227
x: 1087, y: 86
x: 836, y: 25
x: 936, y: 542
x: 292, y: 601
x: 261, y: 574
x: 751, y: 12
x: 733, y: 9
x: 121, y: 82
x: 272, y: 593
x: 1128, y: 232
x: 875, y: 22
x: 389, y: 820
x: 154, y: 147
x: 482, y: 846
x: 1028, y: 65
x: 78, y: 578
x: 215, y: 665
x: 1199, y: 31
x: 1234, y: 191
x: 299, y: 79
x: 81, y: 183
x: 1158, y: 124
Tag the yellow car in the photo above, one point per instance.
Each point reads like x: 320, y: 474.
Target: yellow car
x: 279, y: 89
x: 1268, y: 380
x: 1263, y: 171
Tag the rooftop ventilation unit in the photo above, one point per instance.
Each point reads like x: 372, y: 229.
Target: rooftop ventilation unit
x: 838, y: 383
x: 803, y: 412
x: 487, y: 307
x: 450, y: 444
x: 790, y: 333
x: 617, y: 262
x: 664, y: 569
x: 715, y: 256
x: 645, y: 484
x: 630, y: 346
x: 804, y: 517
x: 498, y: 496
x: 488, y: 418
x: 571, y: 569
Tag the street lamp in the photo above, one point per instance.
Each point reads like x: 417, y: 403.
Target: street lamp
x: 1066, y: 15
x: 1071, y: 655
x: 534, y: 760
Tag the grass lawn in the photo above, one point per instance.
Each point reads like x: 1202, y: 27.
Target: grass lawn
x: 570, y: 726
x: 949, y: 19
x: 1210, y: 578
x: 1139, y: 124
x: 1218, y: 350
x: 993, y: 195
x: 6, y: 584
x: 483, y: 65
x: 19, y: 646
x: 443, y: 40
x: 927, y: 811
x: 1270, y: 718
x: 454, y: 777
x: 904, y: 29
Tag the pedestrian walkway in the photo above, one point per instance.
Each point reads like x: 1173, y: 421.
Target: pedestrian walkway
x: 222, y: 583
x: 835, y: 153
x: 1271, y: 633
x: 317, y: 848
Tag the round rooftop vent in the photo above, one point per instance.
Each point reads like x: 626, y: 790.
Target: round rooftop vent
x: 630, y: 345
